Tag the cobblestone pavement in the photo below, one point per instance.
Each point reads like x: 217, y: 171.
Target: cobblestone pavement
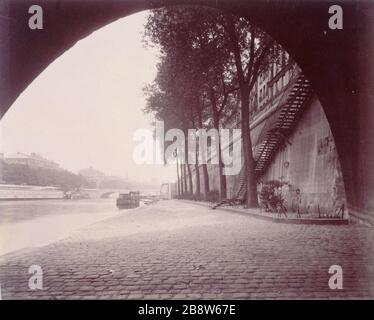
x: 181, y: 251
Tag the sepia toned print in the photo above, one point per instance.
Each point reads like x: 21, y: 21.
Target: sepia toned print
x: 186, y: 150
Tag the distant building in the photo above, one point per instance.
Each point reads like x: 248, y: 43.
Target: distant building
x: 272, y: 85
x: 33, y: 160
x: 92, y: 175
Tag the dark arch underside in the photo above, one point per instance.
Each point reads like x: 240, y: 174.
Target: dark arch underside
x: 337, y: 62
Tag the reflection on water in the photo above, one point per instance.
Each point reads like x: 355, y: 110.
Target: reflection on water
x: 39, y: 222
x: 15, y: 211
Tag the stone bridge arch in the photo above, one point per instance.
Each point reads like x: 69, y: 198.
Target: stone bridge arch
x: 337, y: 62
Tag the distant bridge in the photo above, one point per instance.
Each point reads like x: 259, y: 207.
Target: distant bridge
x: 103, y: 193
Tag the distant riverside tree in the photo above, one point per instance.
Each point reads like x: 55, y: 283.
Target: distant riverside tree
x: 177, y: 35
x: 208, y: 58
x: 167, y: 101
x: 25, y: 175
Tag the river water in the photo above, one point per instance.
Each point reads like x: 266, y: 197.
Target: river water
x: 33, y: 223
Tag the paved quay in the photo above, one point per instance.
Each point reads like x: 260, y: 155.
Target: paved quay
x: 178, y: 250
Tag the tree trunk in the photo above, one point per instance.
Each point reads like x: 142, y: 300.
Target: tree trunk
x: 249, y: 162
x: 204, y: 166
x: 206, y: 181
x: 178, y: 179
x: 182, y: 179
x: 222, y: 177
x: 189, y: 184
x: 185, y: 178
x: 197, y: 170
x: 190, y: 179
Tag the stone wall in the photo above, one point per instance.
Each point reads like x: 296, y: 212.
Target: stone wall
x: 310, y: 165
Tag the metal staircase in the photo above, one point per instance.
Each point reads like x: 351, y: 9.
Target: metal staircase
x: 297, y: 101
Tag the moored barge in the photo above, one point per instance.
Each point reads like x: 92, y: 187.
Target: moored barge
x: 128, y: 200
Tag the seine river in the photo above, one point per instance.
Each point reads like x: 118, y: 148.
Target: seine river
x: 32, y: 223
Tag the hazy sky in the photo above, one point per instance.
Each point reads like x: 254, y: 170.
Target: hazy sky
x: 84, y: 108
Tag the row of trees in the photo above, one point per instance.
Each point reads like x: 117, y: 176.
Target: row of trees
x: 25, y: 175
x: 209, y: 64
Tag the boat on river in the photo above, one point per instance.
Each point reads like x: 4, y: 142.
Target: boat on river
x: 128, y: 200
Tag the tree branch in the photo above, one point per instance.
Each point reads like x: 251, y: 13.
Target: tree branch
x: 251, y: 54
x: 225, y: 97
x: 259, y: 62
